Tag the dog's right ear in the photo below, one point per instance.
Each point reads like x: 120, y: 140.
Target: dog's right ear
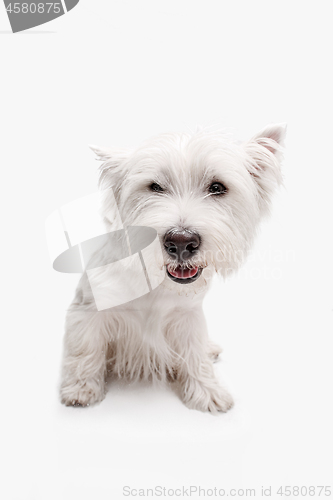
x: 265, y: 154
x: 113, y: 167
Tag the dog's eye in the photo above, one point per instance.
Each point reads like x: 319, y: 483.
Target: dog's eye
x: 217, y: 188
x: 156, y: 188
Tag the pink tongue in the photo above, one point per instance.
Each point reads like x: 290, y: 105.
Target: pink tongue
x: 181, y: 273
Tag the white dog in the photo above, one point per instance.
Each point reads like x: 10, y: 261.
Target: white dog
x: 205, y: 195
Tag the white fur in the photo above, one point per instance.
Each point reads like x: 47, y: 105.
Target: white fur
x: 163, y: 334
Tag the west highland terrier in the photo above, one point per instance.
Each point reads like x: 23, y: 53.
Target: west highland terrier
x: 205, y: 195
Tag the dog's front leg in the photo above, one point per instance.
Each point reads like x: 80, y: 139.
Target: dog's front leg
x: 84, y: 363
x: 199, y: 386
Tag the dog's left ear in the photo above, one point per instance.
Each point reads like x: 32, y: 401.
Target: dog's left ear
x: 110, y: 154
x: 264, y: 153
x: 112, y: 170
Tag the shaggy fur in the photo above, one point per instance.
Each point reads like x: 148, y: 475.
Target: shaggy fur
x: 162, y: 335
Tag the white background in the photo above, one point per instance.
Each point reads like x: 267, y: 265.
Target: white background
x: 114, y: 73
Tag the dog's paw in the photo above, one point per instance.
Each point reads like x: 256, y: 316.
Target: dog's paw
x: 214, y: 351
x: 220, y: 400
x: 213, y: 399
x: 82, y: 393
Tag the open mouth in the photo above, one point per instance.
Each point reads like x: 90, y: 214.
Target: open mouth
x: 183, y: 275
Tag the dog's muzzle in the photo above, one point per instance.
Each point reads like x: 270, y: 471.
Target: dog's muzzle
x: 182, y: 246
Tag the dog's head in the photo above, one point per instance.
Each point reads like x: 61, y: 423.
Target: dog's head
x: 203, y: 193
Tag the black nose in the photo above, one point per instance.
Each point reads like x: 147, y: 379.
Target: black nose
x: 181, y: 245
